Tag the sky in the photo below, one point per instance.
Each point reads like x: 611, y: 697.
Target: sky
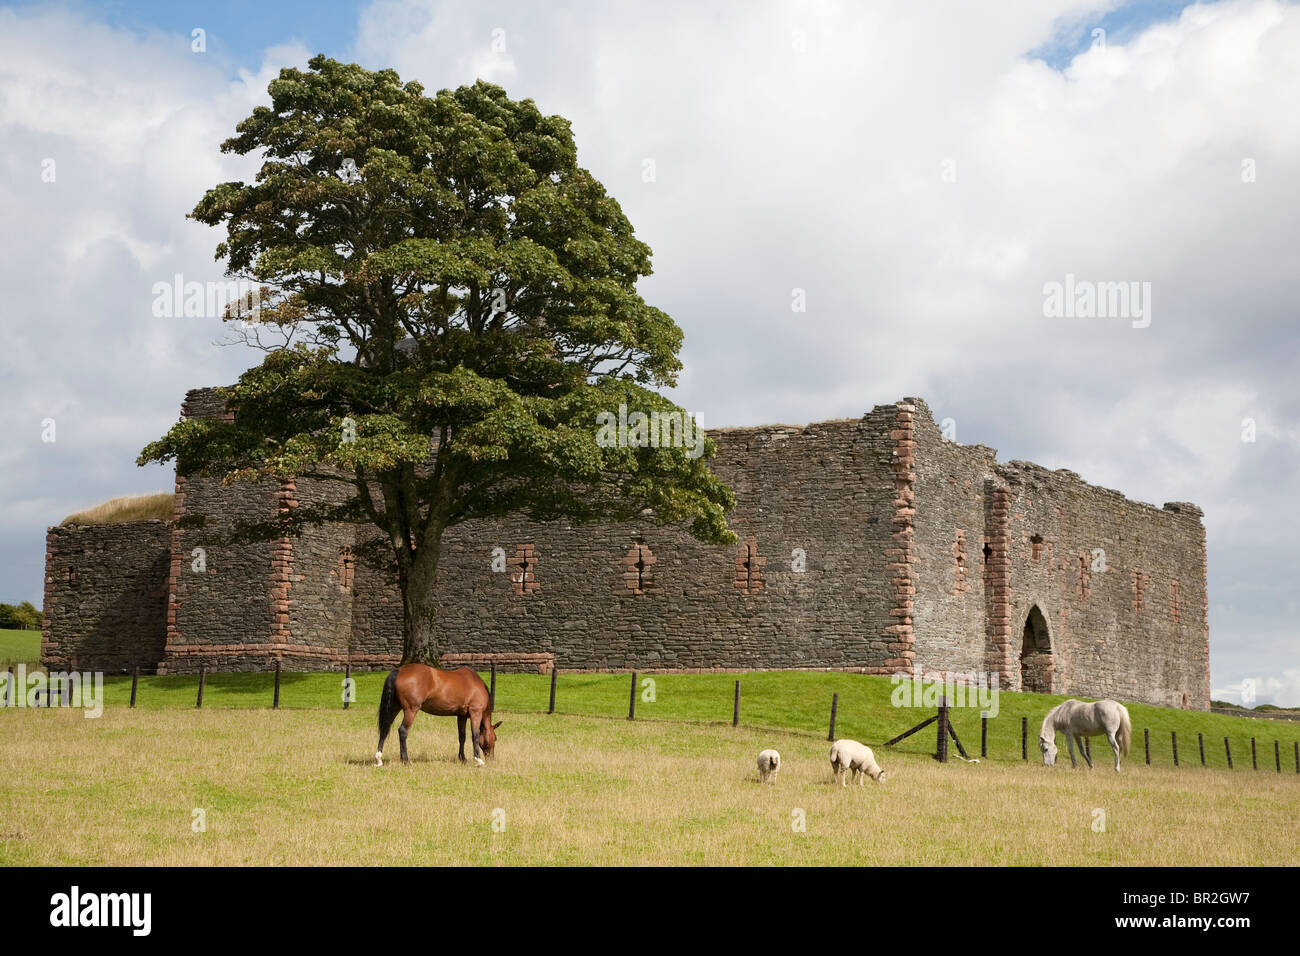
x: 917, y: 175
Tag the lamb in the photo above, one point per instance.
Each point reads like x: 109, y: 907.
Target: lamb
x: 769, y: 764
x: 849, y: 755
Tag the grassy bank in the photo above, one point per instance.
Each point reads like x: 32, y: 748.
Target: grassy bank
x: 787, y: 702
x: 255, y: 786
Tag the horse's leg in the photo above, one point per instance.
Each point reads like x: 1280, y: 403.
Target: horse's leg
x: 1069, y: 745
x: 475, y: 723
x: 460, y: 726
x: 1083, y: 751
x: 1114, y: 745
x: 408, y: 718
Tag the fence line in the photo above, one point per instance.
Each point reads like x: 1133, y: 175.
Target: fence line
x: 944, y: 732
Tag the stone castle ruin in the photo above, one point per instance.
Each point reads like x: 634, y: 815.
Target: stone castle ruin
x: 872, y: 545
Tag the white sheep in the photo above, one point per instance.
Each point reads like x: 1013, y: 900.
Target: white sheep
x: 769, y: 763
x: 849, y: 755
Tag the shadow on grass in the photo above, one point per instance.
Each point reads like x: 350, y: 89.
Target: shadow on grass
x: 248, y: 684
x: 422, y: 758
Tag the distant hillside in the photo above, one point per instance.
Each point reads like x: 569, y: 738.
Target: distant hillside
x: 1270, y: 711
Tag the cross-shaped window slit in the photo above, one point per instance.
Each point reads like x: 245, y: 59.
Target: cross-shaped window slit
x: 749, y: 568
x: 638, y: 568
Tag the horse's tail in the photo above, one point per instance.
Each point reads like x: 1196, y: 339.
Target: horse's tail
x: 389, y: 705
x: 1125, y: 729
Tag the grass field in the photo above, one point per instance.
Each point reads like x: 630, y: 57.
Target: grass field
x: 585, y: 786
x: 19, y: 647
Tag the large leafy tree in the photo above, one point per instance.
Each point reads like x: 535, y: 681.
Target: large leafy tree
x: 448, y: 302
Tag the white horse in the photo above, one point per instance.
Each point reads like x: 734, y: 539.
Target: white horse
x: 769, y: 765
x: 1078, y: 720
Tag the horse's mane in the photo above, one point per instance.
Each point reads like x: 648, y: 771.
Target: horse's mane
x: 1049, y: 722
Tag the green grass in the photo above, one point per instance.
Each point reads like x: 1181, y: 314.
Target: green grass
x: 298, y: 787
x: 20, y: 647
x: 795, y: 702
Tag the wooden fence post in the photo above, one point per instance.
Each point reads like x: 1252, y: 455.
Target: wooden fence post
x: 735, y: 708
x: 492, y: 690
x: 555, y: 670
x: 835, y: 703
x: 941, y: 747
x: 1277, y: 756
x: 203, y: 677
x: 1024, y: 738
x: 957, y: 740
x: 1254, y: 764
x: 275, y: 703
x: 1227, y: 749
x: 984, y: 734
x: 1297, y: 756
x: 347, y: 684
x: 135, y: 682
x: 1173, y: 735
x: 1146, y: 743
x: 1200, y: 742
x: 9, y: 687
x: 631, y: 700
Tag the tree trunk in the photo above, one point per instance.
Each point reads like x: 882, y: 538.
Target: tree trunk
x: 419, y: 604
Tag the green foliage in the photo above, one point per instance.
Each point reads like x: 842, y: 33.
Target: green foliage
x: 19, y: 616
x: 453, y: 301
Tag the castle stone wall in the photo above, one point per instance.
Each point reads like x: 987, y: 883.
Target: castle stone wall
x: 869, y: 544
x: 950, y: 535
x: 106, y: 596
x: 1120, y: 583
x: 220, y: 614
x: 824, y: 489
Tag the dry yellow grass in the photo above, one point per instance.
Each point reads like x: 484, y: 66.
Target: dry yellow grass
x: 286, y: 787
x: 128, y: 508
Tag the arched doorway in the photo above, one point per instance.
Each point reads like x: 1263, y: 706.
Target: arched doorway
x: 1036, y: 654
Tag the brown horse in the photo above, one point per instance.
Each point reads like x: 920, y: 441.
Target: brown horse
x: 460, y: 693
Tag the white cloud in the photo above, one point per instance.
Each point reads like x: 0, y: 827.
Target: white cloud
x: 1282, y: 690
x: 795, y: 146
